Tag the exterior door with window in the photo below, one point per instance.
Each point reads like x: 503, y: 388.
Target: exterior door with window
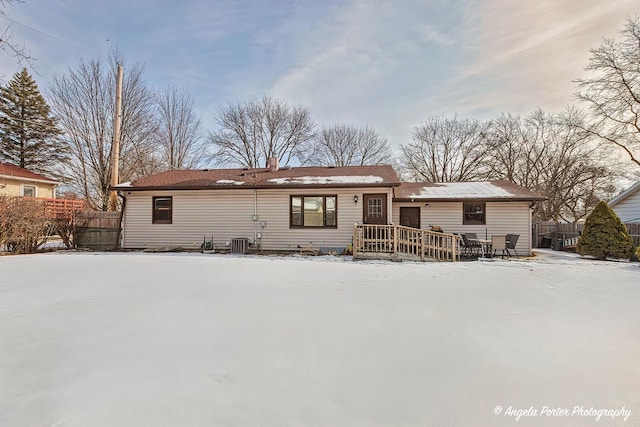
x: 375, y: 209
x: 410, y: 217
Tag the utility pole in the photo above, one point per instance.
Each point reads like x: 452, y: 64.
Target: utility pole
x: 115, y: 146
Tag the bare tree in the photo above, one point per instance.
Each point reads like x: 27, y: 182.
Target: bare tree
x: 7, y: 43
x: 446, y: 150
x: 510, y: 153
x: 345, y: 145
x: 553, y: 155
x: 179, y: 131
x: 256, y: 130
x: 613, y: 93
x: 83, y: 101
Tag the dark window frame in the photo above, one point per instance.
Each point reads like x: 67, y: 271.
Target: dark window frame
x: 155, y: 211
x: 324, y: 211
x: 471, y: 215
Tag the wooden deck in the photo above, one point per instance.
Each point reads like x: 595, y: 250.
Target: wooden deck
x: 398, y: 242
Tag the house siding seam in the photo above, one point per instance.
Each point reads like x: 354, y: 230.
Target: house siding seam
x: 227, y: 214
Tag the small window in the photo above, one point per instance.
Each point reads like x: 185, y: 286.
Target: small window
x: 374, y: 207
x: 29, y: 190
x: 313, y: 211
x: 473, y: 213
x: 162, y: 210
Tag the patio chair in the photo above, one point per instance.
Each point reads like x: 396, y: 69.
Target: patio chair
x: 471, y: 235
x: 512, y: 239
x: 499, y: 243
x: 470, y: 248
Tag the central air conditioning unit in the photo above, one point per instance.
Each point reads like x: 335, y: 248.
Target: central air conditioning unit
x: 239, y: 246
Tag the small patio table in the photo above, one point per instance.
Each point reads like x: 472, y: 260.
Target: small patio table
x: 485, y: 245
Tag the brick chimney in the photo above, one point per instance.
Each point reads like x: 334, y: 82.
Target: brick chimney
x: 273, y: 164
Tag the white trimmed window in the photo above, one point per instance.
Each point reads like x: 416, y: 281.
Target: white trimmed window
x: 29, y: 191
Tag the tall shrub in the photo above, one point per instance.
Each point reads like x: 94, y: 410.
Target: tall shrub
x: 604, y: 235
x: 24, y: 224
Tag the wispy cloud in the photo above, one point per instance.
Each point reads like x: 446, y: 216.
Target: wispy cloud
x: 362, y: 61
x: 520, y: 58
x: 386, y: 64
x: 393, y: 66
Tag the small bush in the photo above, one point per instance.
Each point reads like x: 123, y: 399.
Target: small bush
x: 24, y: 224
x: 604, y: 235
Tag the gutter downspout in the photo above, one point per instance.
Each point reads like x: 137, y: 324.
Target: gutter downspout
x: 531, y: 229
x: 255, y: 216
x: 120, y: 228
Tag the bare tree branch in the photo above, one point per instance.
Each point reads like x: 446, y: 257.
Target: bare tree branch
x: 445, y: 150
x: 344, y: 145
x: 83, y: 100
x: 613, y: 92
x: 253, y: 131
x: 7, y: 43
x: 180, y: 130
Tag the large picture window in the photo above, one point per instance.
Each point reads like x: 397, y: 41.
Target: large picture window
x: 162, y: 210
x: 313, y: 211
x: 474, y: 213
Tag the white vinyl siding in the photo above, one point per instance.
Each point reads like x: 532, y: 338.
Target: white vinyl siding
x: 228, y: 214
x: 629, y: 209
x: 501, y: 218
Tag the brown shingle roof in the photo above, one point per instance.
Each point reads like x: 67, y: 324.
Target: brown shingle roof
x: 11, y: 171
x: 455, y: 191
x: 308, y: 177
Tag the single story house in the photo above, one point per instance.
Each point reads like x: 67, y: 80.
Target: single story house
x: 288, y: 208
x: 627, y: 204
x: 16, y: 181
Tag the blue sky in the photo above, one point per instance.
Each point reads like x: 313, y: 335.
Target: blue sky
x: 386, y: 64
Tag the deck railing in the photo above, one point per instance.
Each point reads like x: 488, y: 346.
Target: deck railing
x: 395, y: 241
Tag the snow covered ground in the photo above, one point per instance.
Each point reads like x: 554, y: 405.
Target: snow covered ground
x: 132, y: 339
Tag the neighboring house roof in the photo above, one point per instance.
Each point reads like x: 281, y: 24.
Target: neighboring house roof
x: 457, y: 191
x: 294, y: 177
x: 8, y: 171
x: 625, y: 194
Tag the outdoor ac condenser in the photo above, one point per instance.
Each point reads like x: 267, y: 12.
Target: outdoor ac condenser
x: 239, y: 245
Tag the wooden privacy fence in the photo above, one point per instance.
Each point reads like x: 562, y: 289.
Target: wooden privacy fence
x: 547, y: 234
x: 633, y: 228
x: 97, y: 230
x: 395, y: 241
x: 63, y: 208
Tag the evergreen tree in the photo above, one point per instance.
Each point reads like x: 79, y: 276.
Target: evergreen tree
x: 29, y: 134
x: 604, y: 235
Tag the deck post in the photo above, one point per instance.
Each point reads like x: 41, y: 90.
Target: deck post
x: 395, y: 240
x: 354, y: 244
